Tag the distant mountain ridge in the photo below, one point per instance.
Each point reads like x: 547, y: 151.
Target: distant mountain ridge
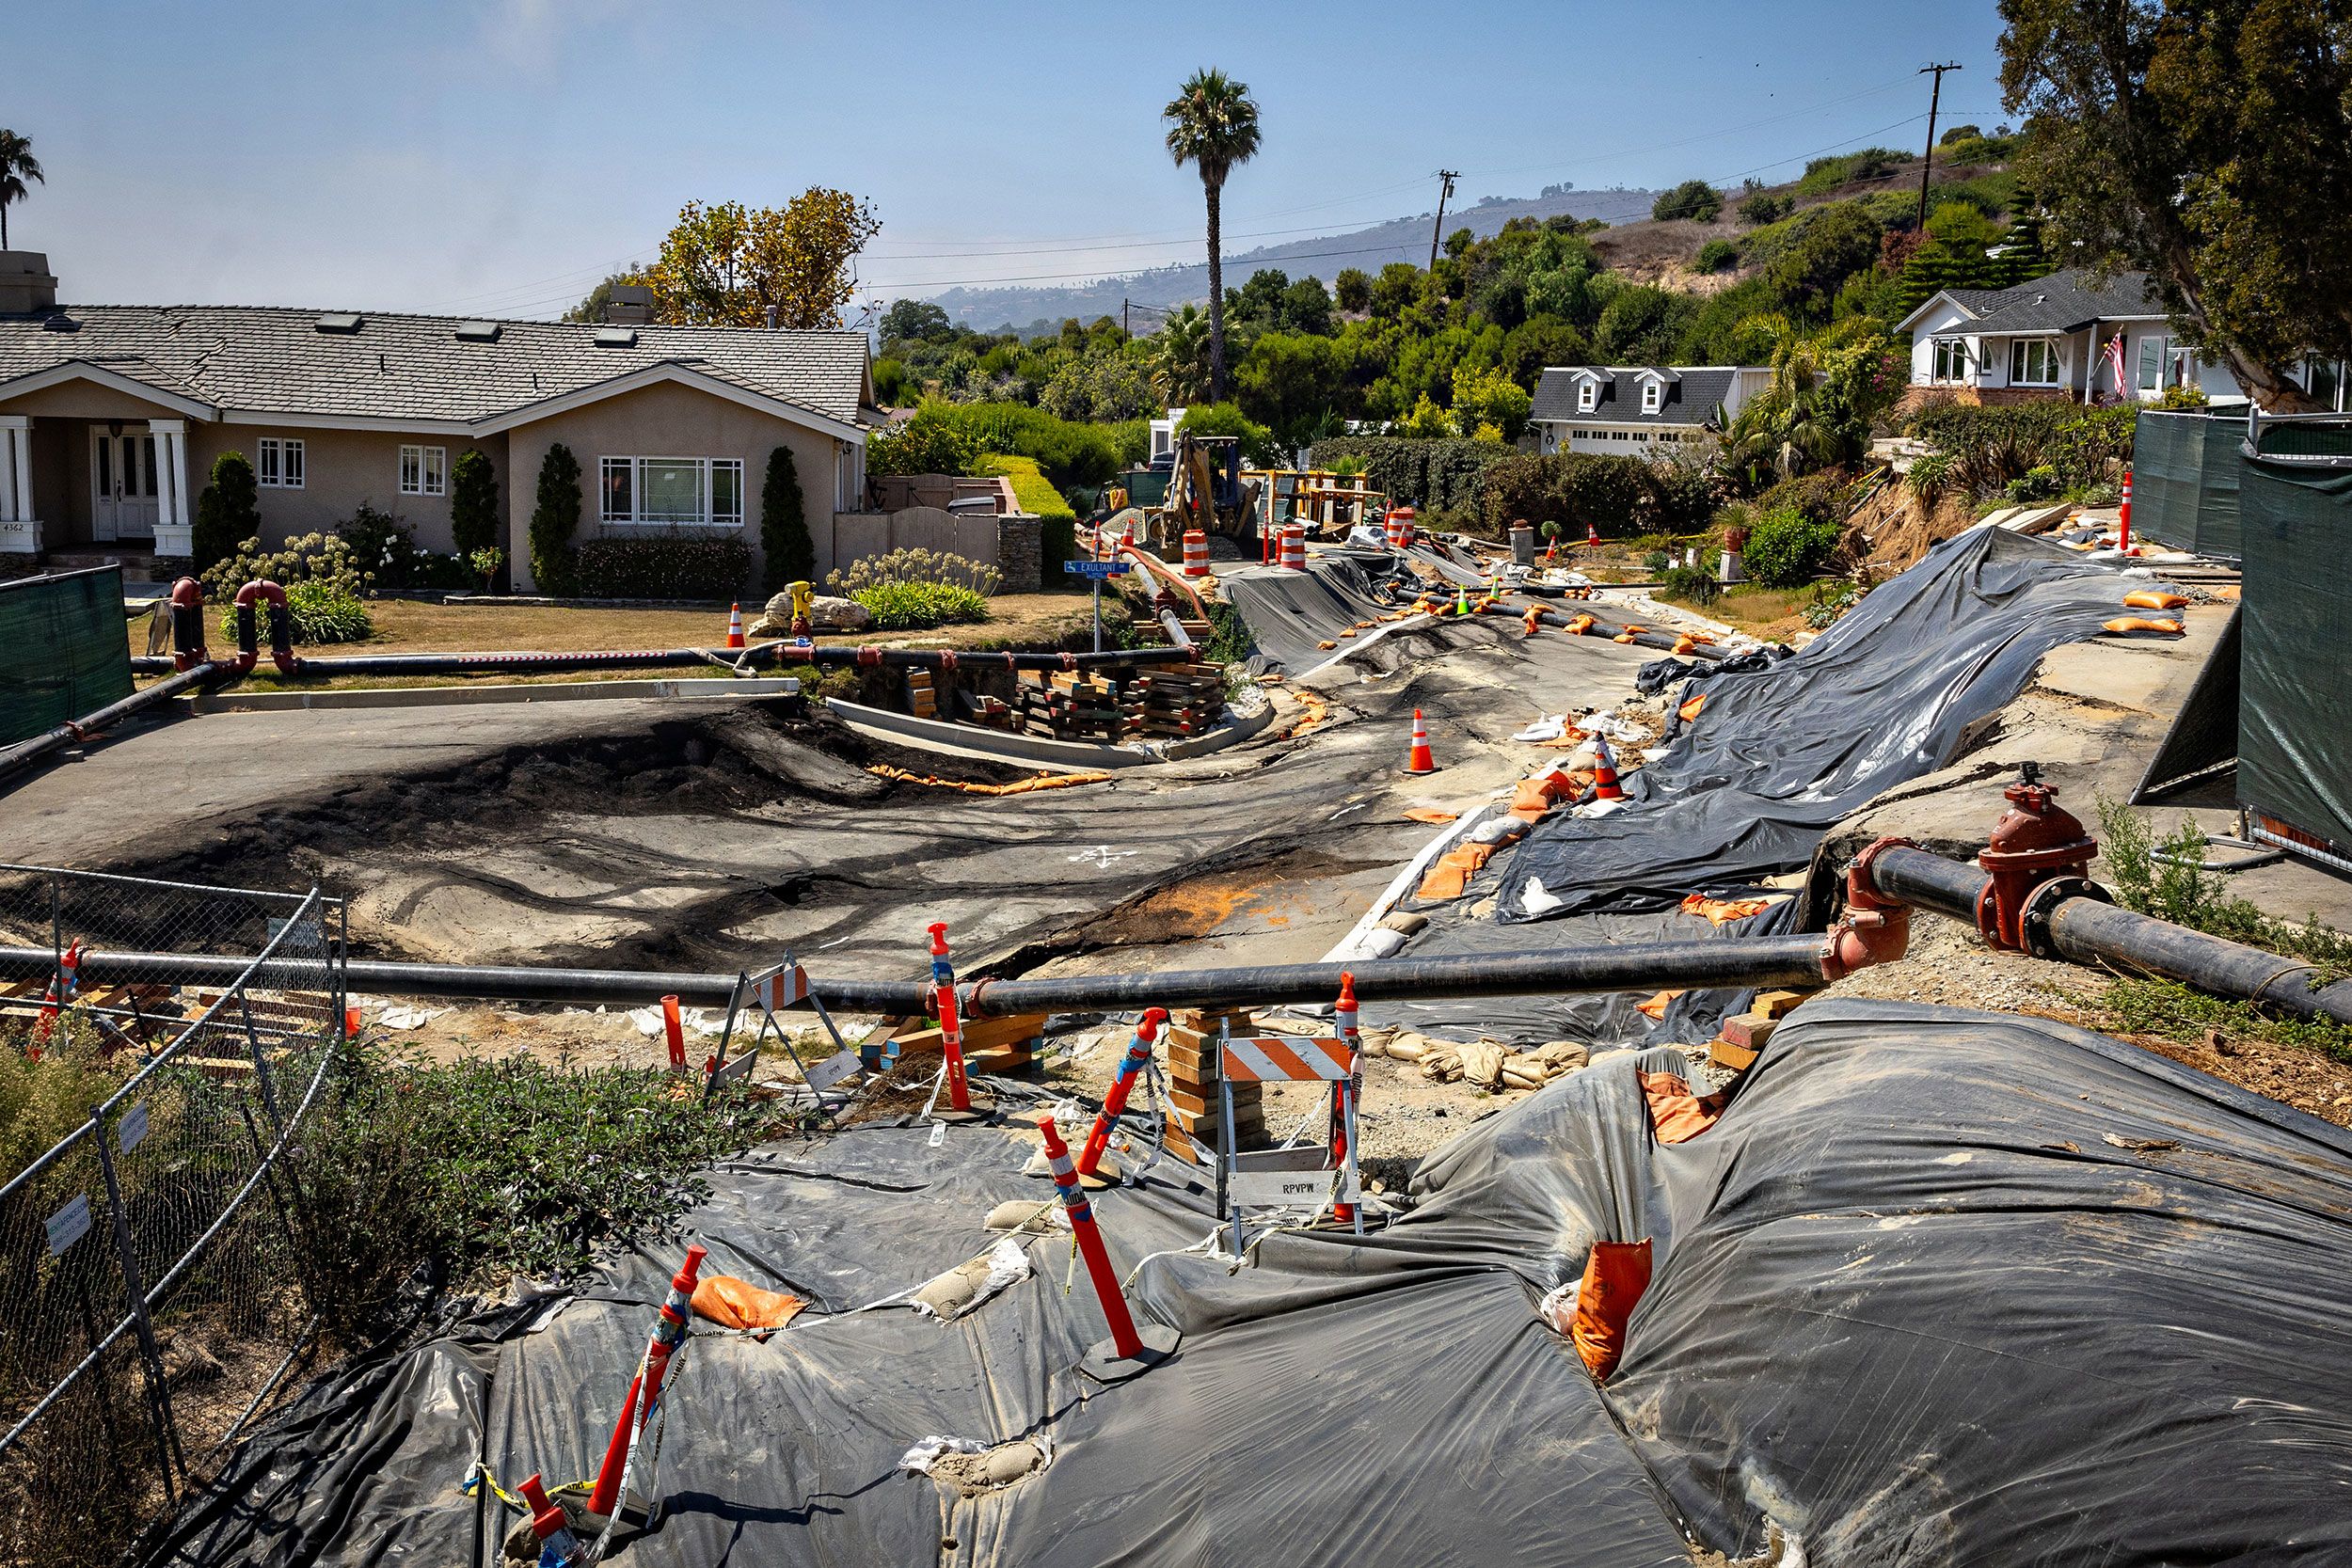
x: 1404, y: 239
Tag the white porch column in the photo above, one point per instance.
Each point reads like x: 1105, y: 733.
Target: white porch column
x: 173, y: 535
x: 20, y: 534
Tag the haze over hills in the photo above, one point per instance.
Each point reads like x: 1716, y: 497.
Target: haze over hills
x: 1325, y: 256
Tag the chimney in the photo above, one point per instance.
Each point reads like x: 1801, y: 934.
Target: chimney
x: 772, y: 318
x: 629, y: 305
x: 26, y: 284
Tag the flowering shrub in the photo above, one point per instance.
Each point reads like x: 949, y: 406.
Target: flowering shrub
x: 916, y: 566
x: 917, y: 605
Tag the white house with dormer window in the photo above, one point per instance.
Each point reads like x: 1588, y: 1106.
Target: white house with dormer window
x: 2051, y: 339
x: 1639, y: 410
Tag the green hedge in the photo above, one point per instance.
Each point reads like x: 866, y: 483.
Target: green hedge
x: 1789, y: 550
x: 663, y: 567
x: 1443, y: 475
x: 1068, y: 451
x: 1618, y: 496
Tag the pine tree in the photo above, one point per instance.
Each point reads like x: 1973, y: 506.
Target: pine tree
x: 553, y: 518
x: 790, y: 554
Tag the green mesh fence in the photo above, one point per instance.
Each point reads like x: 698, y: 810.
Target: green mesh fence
x: 2295, y: 719
x: 2184, y: 480
x: 63, y: 650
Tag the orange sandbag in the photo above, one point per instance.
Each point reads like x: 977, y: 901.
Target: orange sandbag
x: 739, y: 1303
x: 2150, y: 598
x: 1450, y: 878
x: 1624, y: 633
x: 1579, y: 625
x: 1656, y: 1007
x: 1435, y: 819
x: 1676, y: 1113
x: 1536, y: 795
x: 1327, y: 646
x: 1690, y: 710
x: 1616, y: 1276
x: 2140, y: 622
x: 1683, y: 644
x: 1722, y: 910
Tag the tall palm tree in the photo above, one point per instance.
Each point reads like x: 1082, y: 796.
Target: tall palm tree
x: 1212, y: 125
x: 18, y: 165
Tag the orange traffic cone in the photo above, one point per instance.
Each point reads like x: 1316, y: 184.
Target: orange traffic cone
x: 1421, y: 761
x: 735, y: 626
x: 1604, y: 771
x: 1592, y: 535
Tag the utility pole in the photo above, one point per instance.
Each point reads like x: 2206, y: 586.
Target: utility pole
x: 1448, y: 176
x: 1936, y: 100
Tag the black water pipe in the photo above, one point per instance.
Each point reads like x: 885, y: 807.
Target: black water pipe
x: 2093, y: 932
x: 26, y: 753
x: 1684, y: 965
x: 758, y: 656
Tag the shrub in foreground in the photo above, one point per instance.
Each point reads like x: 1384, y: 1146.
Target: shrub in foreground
x: 1789, y: 550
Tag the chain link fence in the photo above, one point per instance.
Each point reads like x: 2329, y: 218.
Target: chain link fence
x: 150, y: 1305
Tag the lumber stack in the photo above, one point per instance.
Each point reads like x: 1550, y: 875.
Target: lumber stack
x: 921, y: 700
x: 1193, y: 1130
x: 1176, y: 702
x: 1005, y: 1047
x: 989, y: 712
x: 1068, y: 706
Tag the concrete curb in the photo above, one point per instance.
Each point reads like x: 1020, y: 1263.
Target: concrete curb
x: 462, y: 696
x: 972, y: 740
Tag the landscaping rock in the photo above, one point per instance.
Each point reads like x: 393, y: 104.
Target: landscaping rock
x: 825, y: 613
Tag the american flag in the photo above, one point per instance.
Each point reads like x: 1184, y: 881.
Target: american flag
x: 2113, y: 354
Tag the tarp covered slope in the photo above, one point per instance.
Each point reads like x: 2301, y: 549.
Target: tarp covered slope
x: 1290, y: 614
x: 1778, y: 755
x: 1939, y: 1287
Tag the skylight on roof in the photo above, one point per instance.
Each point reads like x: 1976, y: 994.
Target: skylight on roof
x: 478, y: 332
x: 616, y: 337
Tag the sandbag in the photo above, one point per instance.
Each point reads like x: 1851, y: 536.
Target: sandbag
x: 733, y: 1303
x: 1616, y: 1276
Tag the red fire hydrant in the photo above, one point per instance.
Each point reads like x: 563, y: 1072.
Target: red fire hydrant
x: 2036, y: 843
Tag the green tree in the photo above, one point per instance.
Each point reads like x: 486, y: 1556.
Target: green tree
x: 1694, y: 199
x: 473, y: 504
x: 1212, y: 125
x: 2201, y: 141
x: 554, y: 518
x: 1182, y: 357
x: 1763, y: 207
x: 925, y: 444
x: 227, y: 513
x: 916, y: 320
x: 1307, y: 307
x: 1395, y: 290
x: 17, y: 165
x: 1822, y: 247
x: 1294, y: 383
x: 1541, y: 342
x: 1956, y: 254
x: 728, y: 265
x: 790, y: 554
x: 1484, y: 398
x: 1352, y: 289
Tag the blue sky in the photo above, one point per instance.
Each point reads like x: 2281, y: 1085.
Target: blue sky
x: 499, y: 158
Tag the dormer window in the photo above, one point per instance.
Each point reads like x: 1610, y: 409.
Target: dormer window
x: 1587, y: 395
x: 1651, y: 390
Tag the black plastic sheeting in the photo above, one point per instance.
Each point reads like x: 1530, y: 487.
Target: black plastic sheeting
x: 1940, y: 1288
x: 1290, y: 614
x: 1780, y: 755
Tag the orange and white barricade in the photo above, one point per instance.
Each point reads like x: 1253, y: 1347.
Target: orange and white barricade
x: 763, y: 993
x: 1302, y: 1176
x: 1196, y: 553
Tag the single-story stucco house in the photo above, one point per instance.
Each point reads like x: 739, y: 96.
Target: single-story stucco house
x: 2048, y: 339
x: 1638, y: 410
x: 111, y: 417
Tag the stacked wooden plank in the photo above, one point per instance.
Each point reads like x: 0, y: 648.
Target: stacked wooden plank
x: 1068, y: 705
x: 993, y: 712
x: 1175, y: 702
x: 1193, y: 1130
x: 1003, y: 1046
x: 921, y: 700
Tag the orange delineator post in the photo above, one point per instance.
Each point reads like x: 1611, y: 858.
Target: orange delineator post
x: 645, y: 1389
x: 1089, y: 1240
x: 735, y: 626
x: 950, y: 1027
x: 556, y: 1539
x: 2123, y: 534
x: 1122, y: 1084
x: 674, y: 1027
x: 1344, y: 1090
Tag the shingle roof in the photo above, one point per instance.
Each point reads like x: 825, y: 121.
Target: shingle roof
x: 268, y: 359
x: 1691, y: 394
x: 2064, y: 301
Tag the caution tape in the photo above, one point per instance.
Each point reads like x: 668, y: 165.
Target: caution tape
x: 1019, y: 787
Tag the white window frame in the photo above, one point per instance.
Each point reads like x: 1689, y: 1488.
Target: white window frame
x: 1587, y: 394
x: 1651, y: 393
x: 277, y: 463
x: 2021, y: 355
x: 423, y: 471
x: 1947, y: 361
x: 706, y: 467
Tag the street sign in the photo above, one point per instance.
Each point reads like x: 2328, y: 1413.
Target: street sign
x: 1098, y: 570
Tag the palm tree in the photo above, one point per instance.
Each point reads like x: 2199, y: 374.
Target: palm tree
x: 18, y: 165
x: 1180, y: 355
x: 1212, y: 125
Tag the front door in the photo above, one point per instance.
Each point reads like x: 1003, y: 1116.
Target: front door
x: 122, y: 484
